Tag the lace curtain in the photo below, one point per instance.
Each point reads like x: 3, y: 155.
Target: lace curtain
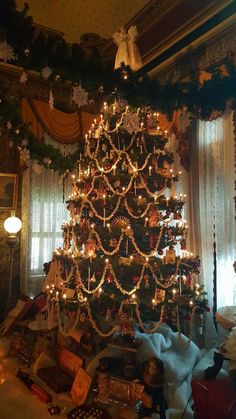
x: 46, y: 212
x: 212, y: 212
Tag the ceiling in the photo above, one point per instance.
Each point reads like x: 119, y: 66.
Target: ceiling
x: 72, y: 18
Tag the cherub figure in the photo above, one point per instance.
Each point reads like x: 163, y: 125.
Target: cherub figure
x: 127, y: 52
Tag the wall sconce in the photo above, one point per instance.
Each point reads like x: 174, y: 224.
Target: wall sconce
x: 12, y: 226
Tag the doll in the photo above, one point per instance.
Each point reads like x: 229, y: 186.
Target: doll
x: 152, y: 378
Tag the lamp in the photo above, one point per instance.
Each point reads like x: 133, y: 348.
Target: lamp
x: 12, y: 226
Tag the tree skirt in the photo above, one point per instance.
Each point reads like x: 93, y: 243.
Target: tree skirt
x: 90, y: 412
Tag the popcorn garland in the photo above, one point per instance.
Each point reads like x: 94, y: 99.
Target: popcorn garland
x: 82, y: 191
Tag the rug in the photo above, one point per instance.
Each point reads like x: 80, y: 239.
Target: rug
x: 90, y: 412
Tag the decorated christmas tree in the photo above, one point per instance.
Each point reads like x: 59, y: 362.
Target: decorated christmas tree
x: 124, y: 260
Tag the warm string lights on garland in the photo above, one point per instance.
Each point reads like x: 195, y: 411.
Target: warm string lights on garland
x: 124, y: 258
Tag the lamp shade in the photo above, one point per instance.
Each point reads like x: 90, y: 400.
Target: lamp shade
x: 12, y: 225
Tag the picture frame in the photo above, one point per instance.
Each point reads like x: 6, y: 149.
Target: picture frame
x: 8, y: 191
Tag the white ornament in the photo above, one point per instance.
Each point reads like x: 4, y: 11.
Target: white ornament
x: 79, y: 96
x: 7, y: 52
x: 46, y: 72
x: 131, y: 122
x: 51, y: 100
x: 9, y: 125
x: 23, y: 77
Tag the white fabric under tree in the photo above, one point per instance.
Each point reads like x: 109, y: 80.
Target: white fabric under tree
x: 213, y: 214
x: 46, y: 212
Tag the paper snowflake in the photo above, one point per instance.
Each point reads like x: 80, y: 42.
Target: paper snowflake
x: 79, y: 96
x: 51, y: 100
x: 46, y: 72
x: 131, y: 122
x: 24, y: 154
x: 7, y: 52
x: 23, y: 77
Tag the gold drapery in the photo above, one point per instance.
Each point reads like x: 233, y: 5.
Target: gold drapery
x: 61, y: 127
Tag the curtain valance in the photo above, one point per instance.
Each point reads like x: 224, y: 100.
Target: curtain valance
x: 62, y: 127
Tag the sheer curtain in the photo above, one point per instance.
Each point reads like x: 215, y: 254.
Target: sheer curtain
x: 213, y: 215
x: 46, y: 212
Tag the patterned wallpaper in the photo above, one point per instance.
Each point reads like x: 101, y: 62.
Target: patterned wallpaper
x: 76, y: 17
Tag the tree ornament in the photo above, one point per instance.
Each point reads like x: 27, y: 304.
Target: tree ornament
x: 46, y: 72
x: 135, y: 278
x: 131, y: 122
x: 113, y: 242
x: 154, y: 217
x: 7, y: 52
x: 25, y: 142
x: 9, y: 125
x: 47, y: 161
x: 23, y: 77
x: 27, y: 52
x: 79, y: 96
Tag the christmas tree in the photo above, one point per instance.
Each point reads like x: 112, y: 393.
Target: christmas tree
x: 124, y: 259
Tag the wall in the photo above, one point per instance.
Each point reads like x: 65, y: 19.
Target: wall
x: 9, y: 164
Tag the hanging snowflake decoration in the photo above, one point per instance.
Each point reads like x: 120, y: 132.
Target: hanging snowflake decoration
x: 25, y: 142
x: 46, y: 72
x: 185, y: 119
x: 131, y: 122
x: 24, y: 154
x: 23, y: 77
x: 47, y: 161
x: 29, y: 162
x: 79, y: 96
x: 51, y: 100
x: 7, y: 52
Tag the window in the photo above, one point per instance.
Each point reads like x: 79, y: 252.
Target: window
x: 47, y: 211
x: 213, y: 192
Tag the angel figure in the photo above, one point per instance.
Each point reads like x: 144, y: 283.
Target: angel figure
x: 127, y: 52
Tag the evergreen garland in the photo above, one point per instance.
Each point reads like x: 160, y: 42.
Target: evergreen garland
x: 69, y: 63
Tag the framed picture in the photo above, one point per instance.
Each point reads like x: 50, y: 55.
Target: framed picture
x: 8, y: 190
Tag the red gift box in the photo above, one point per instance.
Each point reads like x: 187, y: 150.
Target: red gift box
x: 214, y: 399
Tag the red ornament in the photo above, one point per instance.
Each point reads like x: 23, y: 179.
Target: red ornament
x: 110, y: 278
x: 187, y: 317
x: 160, y: 252
x: 207, y: 308
x: 135, y: 278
